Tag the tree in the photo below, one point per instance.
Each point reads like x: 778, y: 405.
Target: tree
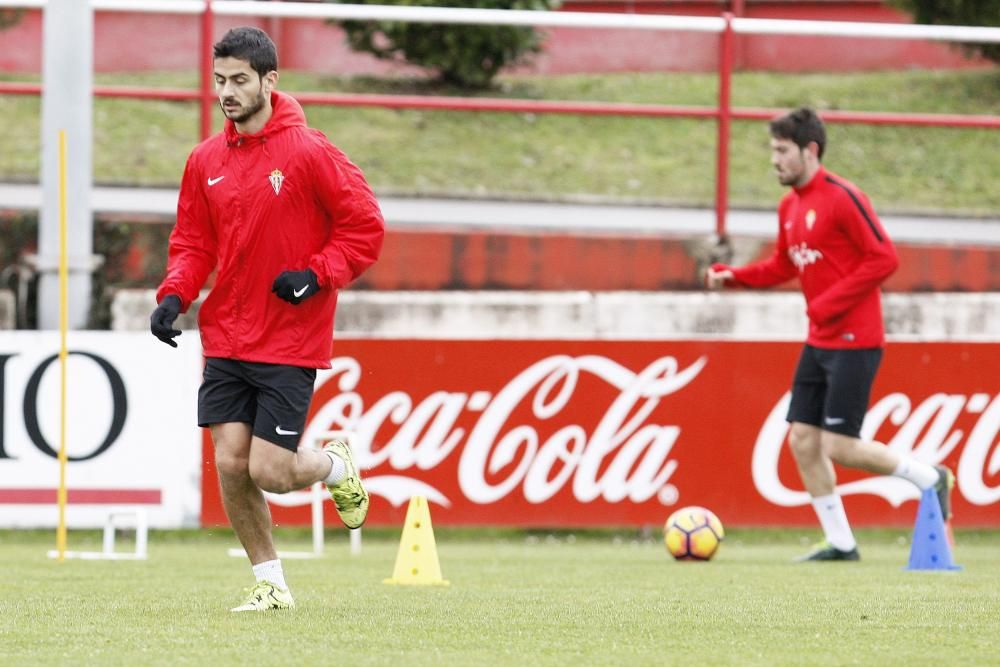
x: 958, y: 12
x: 464, y: 55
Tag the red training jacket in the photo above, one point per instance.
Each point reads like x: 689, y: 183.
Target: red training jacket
x: 830, y: 238
x: 283, y: 199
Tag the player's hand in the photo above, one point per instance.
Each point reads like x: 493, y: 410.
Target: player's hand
x: 161, y: 322
x: 717, y: 276
x: 295, y: 286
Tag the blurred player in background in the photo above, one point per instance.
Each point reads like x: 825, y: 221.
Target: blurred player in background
x: 830, y: 238
x: 287, y: 220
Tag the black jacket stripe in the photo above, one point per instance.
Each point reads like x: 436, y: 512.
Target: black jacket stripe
x: 857, y: 203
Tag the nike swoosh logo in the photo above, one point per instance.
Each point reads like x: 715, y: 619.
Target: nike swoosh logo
x: 300, y: 292
x: 281, y: 431
x: 833, y: 421
x: 213, y: 181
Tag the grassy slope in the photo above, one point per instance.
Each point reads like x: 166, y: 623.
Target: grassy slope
x: 550, y: 156
x: 512, y: 601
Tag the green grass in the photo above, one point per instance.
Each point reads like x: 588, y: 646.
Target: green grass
x: 571, y: 157
x: 514, y: 599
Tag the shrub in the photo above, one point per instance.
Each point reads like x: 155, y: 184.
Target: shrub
x: 10, y: 17
x: 958, y: 12
x: 468, y: 56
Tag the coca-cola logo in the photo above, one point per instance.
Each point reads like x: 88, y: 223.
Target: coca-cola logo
x: 927, y: 433
x: 586, y: 430
x: 624, y: 457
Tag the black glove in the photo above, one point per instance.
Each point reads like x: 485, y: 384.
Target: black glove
x: 295, y: 286
x: 161, y: 322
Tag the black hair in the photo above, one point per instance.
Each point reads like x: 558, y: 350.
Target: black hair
x: 249, y: 44
x: 800, y: 126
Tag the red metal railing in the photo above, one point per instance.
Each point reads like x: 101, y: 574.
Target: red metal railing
x: 723, y: 113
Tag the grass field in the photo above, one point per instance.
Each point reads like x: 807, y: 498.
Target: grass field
x: 565, y: 157
x: 514, y: 599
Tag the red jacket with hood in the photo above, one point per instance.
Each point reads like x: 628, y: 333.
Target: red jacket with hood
x: 252, y: 206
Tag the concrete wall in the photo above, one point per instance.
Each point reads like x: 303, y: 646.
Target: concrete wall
x: 614, y: 315
x: 495, y: 257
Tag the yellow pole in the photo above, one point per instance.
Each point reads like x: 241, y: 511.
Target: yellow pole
x: 63, y: 354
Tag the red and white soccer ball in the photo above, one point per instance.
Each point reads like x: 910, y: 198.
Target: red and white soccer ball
x: 693, y: 533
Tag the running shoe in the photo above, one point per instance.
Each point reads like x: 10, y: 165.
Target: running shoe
x: 349, y: 495
x: 265, y: 596
x: 943, y: 487
x: 824, y: 551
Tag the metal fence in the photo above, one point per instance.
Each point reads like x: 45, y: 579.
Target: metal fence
x: 725, y: 26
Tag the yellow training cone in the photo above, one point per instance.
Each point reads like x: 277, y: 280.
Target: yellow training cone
x: 417, y: 559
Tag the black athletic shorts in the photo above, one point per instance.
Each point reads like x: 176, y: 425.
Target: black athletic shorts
x: 832, y: 387
x: 273, y: 399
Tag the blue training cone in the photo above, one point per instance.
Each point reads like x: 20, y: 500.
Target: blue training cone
x: 931, y: 549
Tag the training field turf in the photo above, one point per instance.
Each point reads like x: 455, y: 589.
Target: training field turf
x: 514, y: 599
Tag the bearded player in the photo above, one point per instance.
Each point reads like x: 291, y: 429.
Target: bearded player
x: 831, y: 240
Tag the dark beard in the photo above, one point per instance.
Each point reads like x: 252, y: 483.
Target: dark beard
x: 250, y: 111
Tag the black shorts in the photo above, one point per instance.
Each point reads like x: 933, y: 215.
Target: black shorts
x: 832, y: 387
x: 273, y: 399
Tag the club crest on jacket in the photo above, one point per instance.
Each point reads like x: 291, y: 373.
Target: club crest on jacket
x: 276, y: 179
x: 810, y: 218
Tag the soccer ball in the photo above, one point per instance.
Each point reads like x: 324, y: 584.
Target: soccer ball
x: 693, y: 533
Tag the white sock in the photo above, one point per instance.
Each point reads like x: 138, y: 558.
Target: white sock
x: 337, y: 470
x: 270, y: 570
x: 833, y: 519
x: 921, y: 474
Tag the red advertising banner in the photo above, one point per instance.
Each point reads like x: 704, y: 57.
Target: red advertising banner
x: 613, y: 433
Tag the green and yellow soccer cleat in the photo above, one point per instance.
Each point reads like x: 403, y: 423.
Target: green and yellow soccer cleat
x: 349, y: 496
x: 266, y: 596
x: 943, y: 487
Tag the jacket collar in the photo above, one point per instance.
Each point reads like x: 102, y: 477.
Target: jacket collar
x: 817, y: 178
